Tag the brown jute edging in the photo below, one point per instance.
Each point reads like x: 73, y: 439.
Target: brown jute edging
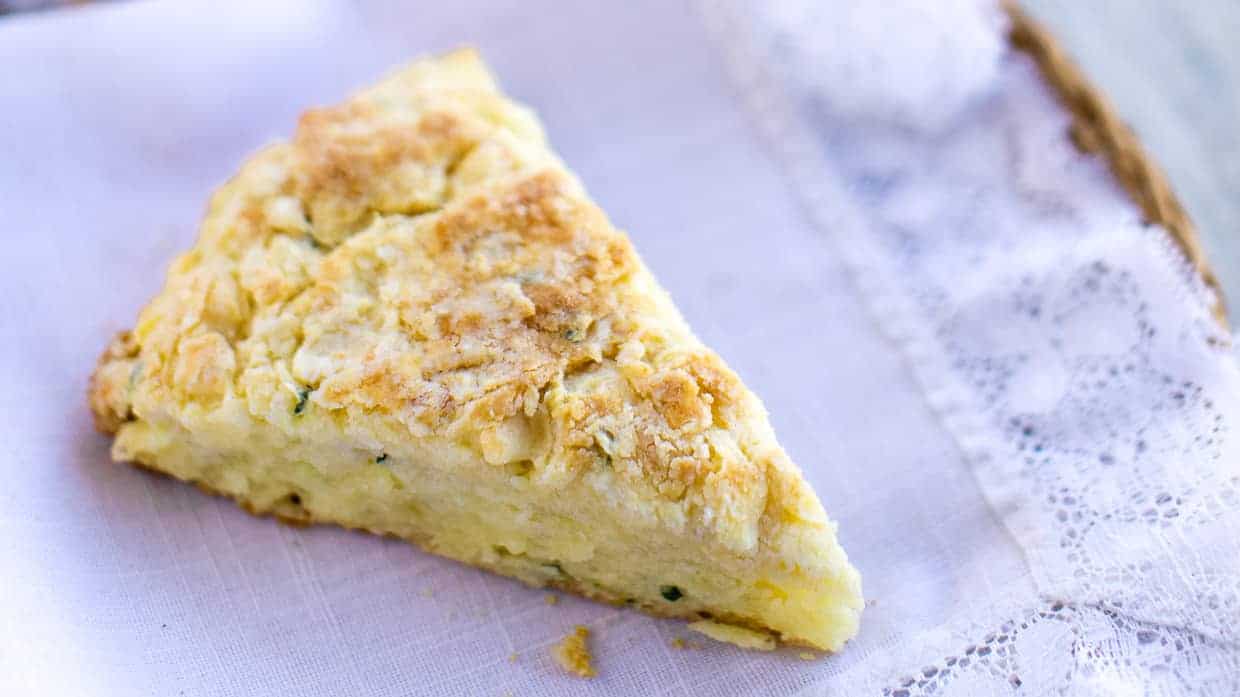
x: 1097, y: 129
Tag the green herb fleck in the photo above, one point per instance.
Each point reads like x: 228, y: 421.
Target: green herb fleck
x: 303, y: 396
x: 573, y: 335
x: 671, y: 593
x: 381, y: 458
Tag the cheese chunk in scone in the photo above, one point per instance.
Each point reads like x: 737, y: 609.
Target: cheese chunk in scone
x: 411, y: 319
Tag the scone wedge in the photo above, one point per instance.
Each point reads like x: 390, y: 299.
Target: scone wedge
x: 412, y: 320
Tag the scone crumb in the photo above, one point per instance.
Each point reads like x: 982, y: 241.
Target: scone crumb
x: 573, y: 653
x: 807, y: 656
x: 512, y: 657
x: 744, y: 638
x: 551, y: 599
x: 683, y: 644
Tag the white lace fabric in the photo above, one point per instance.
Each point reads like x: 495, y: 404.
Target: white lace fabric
x: 1068, y: 347
x: 1008, y: 391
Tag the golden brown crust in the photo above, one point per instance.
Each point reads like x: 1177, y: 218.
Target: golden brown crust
x: 1098, y: 129
x: 109, y: 407
x: 417, y: 275
x: 352, y: 161
x: 418, y: 256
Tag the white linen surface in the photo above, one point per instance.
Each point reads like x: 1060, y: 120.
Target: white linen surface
x: 1005, y: 389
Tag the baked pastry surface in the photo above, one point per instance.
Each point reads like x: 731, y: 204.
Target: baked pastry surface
x: 411, y: 319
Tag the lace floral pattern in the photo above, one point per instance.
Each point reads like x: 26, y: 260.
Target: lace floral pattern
x: 1060, y: 648
x: 1091, y: 392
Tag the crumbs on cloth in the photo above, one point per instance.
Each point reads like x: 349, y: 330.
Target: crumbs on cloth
x: 573, y: 653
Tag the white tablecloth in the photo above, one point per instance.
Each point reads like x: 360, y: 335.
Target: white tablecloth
x: 1018, y: 408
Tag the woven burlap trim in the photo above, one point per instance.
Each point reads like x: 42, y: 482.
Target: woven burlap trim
x: 1097, y: 129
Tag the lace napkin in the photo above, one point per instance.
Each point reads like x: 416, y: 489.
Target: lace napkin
x: 1008, y: 391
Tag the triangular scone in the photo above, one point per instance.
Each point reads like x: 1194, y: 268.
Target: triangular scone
x: 412, y: 320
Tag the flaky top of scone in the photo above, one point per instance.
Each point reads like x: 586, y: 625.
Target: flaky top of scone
x: 416, y: 265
